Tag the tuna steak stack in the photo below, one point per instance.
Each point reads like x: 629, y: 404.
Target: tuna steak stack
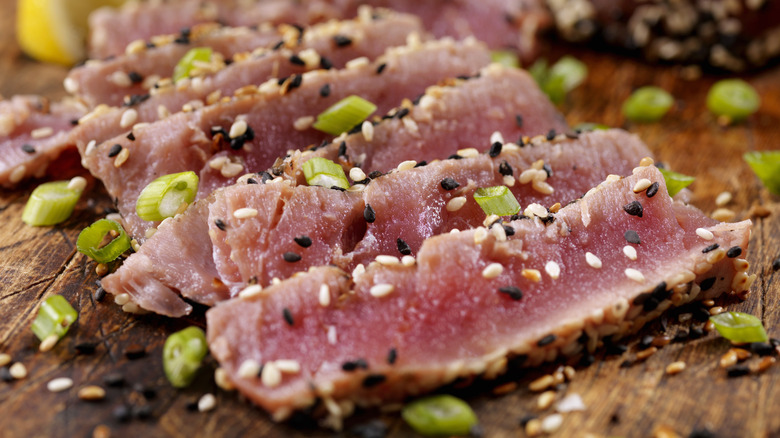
x: 270, y: 114
x: 294, y: 228
x: 473, y: 299
x: 499, y: 23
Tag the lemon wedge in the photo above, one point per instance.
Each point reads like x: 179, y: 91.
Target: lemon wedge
x: 55, y: 30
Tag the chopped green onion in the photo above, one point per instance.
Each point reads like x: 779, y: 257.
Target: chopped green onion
x: 647, y: 104
x: 50, y: 203
x: 588, y: 126
x: 325, y: 173
x: 90, y: 241
x: 538, y: 71
x: 440, y: 415
x: 344, y: 115
x: 675, y: 181
x: 733, y: 98
x: 183, y: 353
x: 497, y: 200
x: 55, y: 315
x: 506, y: 58
x: 164, y: 196
x: 189, y: 61
x: 563, y: 76
x: 739, y: 327
x: 766, y: 165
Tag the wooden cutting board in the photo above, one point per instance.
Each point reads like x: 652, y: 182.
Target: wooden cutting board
x: 635, y: 401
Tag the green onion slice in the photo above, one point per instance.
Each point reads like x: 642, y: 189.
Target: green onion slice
x: 55, y: 316
x: 506, y: 58
x: 164, y: 196
x: 344, y: 115
x: 647, y: 104
x: 50, y: 203
x: 440, y: 415
x: 188, y: 62
x: 734, y: 98
x: 675, y: 181
x: 325, y: 173
x: 563, y: 76
x: 91, y: 239
x: 589, y: 126
x: 739, y: 327
x: 497, y: 200
x: 766, y: 165
x: 183, y: 353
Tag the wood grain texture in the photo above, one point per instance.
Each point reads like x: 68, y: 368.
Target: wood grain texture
x: 628, y: 402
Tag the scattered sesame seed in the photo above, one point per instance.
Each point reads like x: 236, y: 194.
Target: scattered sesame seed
x: 553, y: 269
x: 129, y: 118
x: 368, y: 214
x: 249, y: 369
x: 250, y: 291
x: 28, y: 148
x: 652, y: 190
x: 456, y: 203
x: 407, y: 260
x: 324, y: 295
x: 59, y: 384
x: 342, y: 41
x: 449, y: 184
x: 512, y: 291
x: 287, y: 315
x: 115, y: 150
x: 632, y: 236
x: 531, y: 274
x: 545, y: 400
x: 325, y: 90
x: 291, y: 257
x: 387, y: 260
x: 634, y: 208
x: 18, y: 371
x: 289, y: 366
x: 541, y: 383
x: 381, y: 290
x: 723, y: 199
x: 570, y: 403
x: 303, y: 241
x: 642, y: 185
x: 92, y: 393
x: 43, y: 132
x: 222, y: 380
x: 635, y: 275
x: 536, y: 210
x: 244, y: 213
x: 723, y: 215
x: 271, y: 376
x: 630, y: 252
x: 705, y: 233
x: 357, y: 174
x: 593, y: 260
x: 207, y: 402
x: 367, y: 129
x: 492, y: 270
x: 5, y: 359
x: 406, y: 165
x: 48, y: 343
x: 675, y: 368
x: 551, y: 423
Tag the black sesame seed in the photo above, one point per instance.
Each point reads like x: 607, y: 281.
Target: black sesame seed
x: 628, y: 363
x: 762, y: 348
x: 135, y: 99
x: 85, y: 347
x: 291, y: 257
x: 114, y: 380
x: 616, y: 349
x: 296, y: 60
x: 707, y: 283
x: 115, y: 150
x: 287, y: 315
x: 99, y: 294
x: 495, y: 149
x: 392, y: 355
x: 646, y: 342
x: 251, y: 181
x: 265, y: 176
x: 512, y: 291
x: 295, y: 82
x: 652, y: 190
x: 368, y: 214
x: 547, y: 340
x: 550, y: 134
x: 148, y: 392
x: 342, y: 41
x: 681, y: 336
x: 519, y: 120
x: 660, y: 292
x: 733, y: 252
x: 191, y: 404
x: 509, y: 230
x: 454, y: 157
x: 325, y: 63
x: 505, y: 169
x: 381, y: 68
x: 700, y: 313
x: 135, y: 351
x: 135, y: 77
x: 737, y: 370
x: 375, y: 174
x: 634, y: 208
x: 632, y: 236
x: 403, y: 247
x: 776, y: 264
x: 352, y: 365
x: 278, y: 45
x: 303, y: 241
x: 403, y: 112
x: 131, y: 136
x: 701, y: 433
x: 449, y: 184
x: 142, y: 412
x: 28, y: 148
x: 547, y: 170
x: 5, y: 374
x: 712, y: 247
x: 371, y: 429
x: 696, y: 333
x: 373, y: 380
x: 220, y: 224
x: 121, y: 413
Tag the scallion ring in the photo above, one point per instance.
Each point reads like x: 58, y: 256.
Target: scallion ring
x: 164, y: 196
x: 344, y: 115
x: 675, y: 181
x: 50, y: 203
x: 506, y: 58
x: 325, y: 173
x: 739, y: 327
x: 189, y: 61
x: 497, y: 200
x: 103, y: 241
x: 183, y: 353
x: 647, y: 104
x: 733, y: 98
x: 766, y: 165
x: 440, y: 415
x: 55, y: 316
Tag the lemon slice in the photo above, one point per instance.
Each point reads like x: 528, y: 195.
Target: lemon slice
x: 55, y: 30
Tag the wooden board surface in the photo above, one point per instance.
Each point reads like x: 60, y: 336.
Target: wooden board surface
x: 632, y: 402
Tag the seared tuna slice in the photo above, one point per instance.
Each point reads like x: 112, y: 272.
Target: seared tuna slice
x: 272, y: 114
x: 473, y: 299
x: 33, y: 133
x: 500, y: 23
x: 132, y: 76
x: 284, y: 229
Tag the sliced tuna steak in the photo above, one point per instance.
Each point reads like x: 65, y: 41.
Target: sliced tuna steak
x: 292, y: 228
x: 33, y: 133
x: 132, y: 76
x: 500, y: 23
x: 271, y: 112
x: 473, y: 299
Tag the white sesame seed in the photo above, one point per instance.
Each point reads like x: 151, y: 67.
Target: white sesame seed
x: 531, y: 274
x: 357, y: 174
x: 358, y: 271
x: 551, y: 423
x: 570, y: 403
x: 535, y: 210
x: 489, y: 220
x: 289, y: 366
x: 271, y: 376
x: 723, y: 215
x: 59, y: 384
x: 406, y: 165
x: 136, y: 46
x: 222, y: 380
x: 381, y: 290
x: 17, y: 174
x: 496, y: 137
x: 238, y: 128
x: 91, y: 148
x: 42, y: 132
x: 480, y: 235
x: 77, y: 184
x: 367, y: 128
x: 229, y: 170
x: 5, y: 359
x: 249, y: 369
x: 332, y: 335
x: 48, y: 343
x: 723, y: 199
x: 543, y: 188
x: 612, y: 178
x: 498, y: 232
x: 218, y: 162
x: 642, y: 185
x: 593, y: 260
x: 492, y: 270
x: 635, y: 275
x: 250, y: 291
x: 244, y: 213
x: 646, y: 161
x: 675, y: 368
x: 18, y: 371
x: 355, y: 63
x: 553, y: 269
x: 705, y: 233
x: 92, y: 393
x: 128, y: 118
x: 407, y: 260
x: 162, y: 112
x: 509, y: 180
x: 456, y: 203
x: 120, y: 159
x: 468, y: 152
x: 387, y: 260
x: 527, y: 176
x: 132, y: 307
x: 207, y: 403
x: 71, y: 86
x: 324, y: 295
x: 122, y: 299
x: 630, y: 252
